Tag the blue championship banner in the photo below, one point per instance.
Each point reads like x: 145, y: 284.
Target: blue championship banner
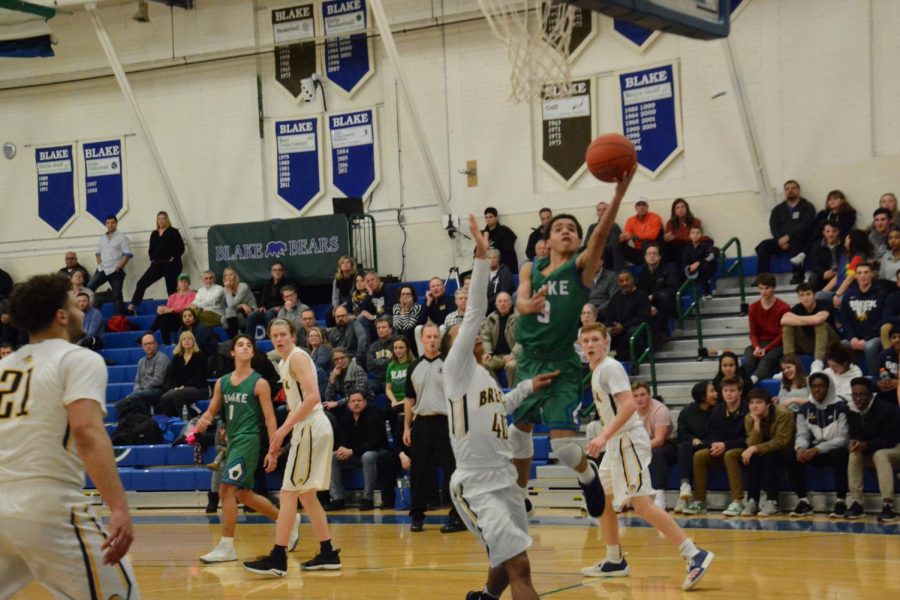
x: 354, y: 156
x: 635, y: 34
x: 348, y: 54
x: 56, y: 185
x: 103, y: 183
x: 299, y: 163
x: 651, y: 115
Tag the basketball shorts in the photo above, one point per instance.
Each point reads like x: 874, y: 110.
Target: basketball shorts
x: 52, y: 536
x: 625, y: 468
x: 309, y: 462
x: 556, y: 405
x: 241, y: 461
x: 497, y: 517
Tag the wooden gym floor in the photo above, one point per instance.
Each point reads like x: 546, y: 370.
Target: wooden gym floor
x: 755, y: 558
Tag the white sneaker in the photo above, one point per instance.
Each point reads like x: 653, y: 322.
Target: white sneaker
x: 798, y: 260
x: 768, y: 509
x: 617, y: 508
x: 295, y: 534
x: 680, y: 505
x: 221, y: 553
x: 734, y: 509
x: 750, y: 508
x: 685, y: 492
x: 660, y: 499
x: 777, y: 376
x: 816, y: 367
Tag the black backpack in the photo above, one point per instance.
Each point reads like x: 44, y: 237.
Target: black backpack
x: 135, y: 429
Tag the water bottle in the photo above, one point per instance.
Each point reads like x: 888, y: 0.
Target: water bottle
x: 390, y: 437
x: 883, y: 375
x: 184, y: 414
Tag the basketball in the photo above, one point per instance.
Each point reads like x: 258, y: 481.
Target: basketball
x: 610, y: 156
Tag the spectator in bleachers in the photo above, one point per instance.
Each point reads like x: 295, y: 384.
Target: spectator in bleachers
x: 860, y: 317
x: 824, y: 261
x: 166, y: 248
x: 657, y: 421
x: 837, y: 211
x: 461, y: 298
x: 349, y: 334
x: 270, y: 302
x: 113, y: 253
x: 358, y: 295
x: 730, y: 367
x: 239, y: 302
x: 693, y: 429
x: 588, y: 316
x: 395, y: 384
x: 700, y: 260
x: 379, y: 354
x: 641, y: 228
x: 6, y: 349
x: 841, y: 369
x: 168, y: 315
x: 677, y: 236
x: 625, y: 313
x: 888, y: 367
x: 210, y: 301
x: 500, y: 279
x: 762, y: 356
x: 857, y: 250
x: 360, y: 441
x: 809, y: 327
x: 498, y: 336
x: 874, y: 429
x: 407, y: 313
x: 345, y: 376
x: 6, y: 284
x: 878, y: 236
x: 185, y: 378
x: 93, y: 322
x: 319, y: 349
x: 791, y: 224
x: 612, y: 253
x: 502, y: 239
x: 821, y: 441
x: 307, y: 322
x: 605, y: 286
x: 890, y: 317
x: 770, y: 438
x: 291, y: 306
x: 206, y: 339
x: 541, y: 249
x: 537, y: 234
x: 78, y: 286
x: 437, y: 303
x: 342, y: 284
x: 659, y: 281
x: 72, y: 265
x: 890, y: 262
x: 794, y: 390
x: 150, y: 379
x: 380, y: 300
x: 392, y: 466
x: 722, y: 448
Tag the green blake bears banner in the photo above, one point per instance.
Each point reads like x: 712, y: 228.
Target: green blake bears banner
x: 309, y: 248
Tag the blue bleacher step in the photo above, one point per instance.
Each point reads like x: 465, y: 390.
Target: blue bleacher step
x: 147, y: 307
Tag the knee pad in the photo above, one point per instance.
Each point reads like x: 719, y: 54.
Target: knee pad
x: 567, y: 452
x: 522, y: 446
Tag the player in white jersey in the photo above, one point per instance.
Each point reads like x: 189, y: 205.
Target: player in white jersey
x: 625, y: 468
x: 52, y: 403
x: 483, y: 486
x: 308, y: 468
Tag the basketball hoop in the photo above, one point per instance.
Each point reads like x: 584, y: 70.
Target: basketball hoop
x: 537, y: 35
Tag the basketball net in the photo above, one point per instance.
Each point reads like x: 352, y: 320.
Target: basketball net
x: 537, y: 35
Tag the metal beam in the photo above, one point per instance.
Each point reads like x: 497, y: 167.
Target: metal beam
x: 125, y: 86
x: 387, y: 38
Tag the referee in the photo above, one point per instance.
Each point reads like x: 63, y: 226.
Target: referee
x: 428, y: 436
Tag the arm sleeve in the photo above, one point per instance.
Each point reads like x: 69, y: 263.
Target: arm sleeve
x: 616, y: 378
x: 775, y: 224
x: 783, y: 434
x: 841, y: 436
x: 154, y: 242
x: 801, y: 442
x: 85, y: 376
x: 179, y: 243
x: 754, y: 328
x: 126, y: 246
x: 780, y: 309
x: 335, y: 295
x: 160, y: 368
x: 517, y: 395
x: 460, y: 363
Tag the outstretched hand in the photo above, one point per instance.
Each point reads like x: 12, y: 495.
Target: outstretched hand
x: 543, y: 380
x: 624, y: 181
x: 535, y: 304
x: 481, y: 238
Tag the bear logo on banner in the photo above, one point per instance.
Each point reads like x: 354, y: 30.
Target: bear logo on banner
x: 276, y: 249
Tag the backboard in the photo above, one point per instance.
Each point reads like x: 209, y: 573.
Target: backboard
x: 700, y: 19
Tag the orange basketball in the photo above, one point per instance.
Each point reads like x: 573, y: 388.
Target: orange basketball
x: 610, y: 156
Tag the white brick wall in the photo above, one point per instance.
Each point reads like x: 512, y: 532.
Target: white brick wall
x: 821, y: 76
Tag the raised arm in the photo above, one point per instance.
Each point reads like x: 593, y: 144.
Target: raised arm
x: 589, y: 261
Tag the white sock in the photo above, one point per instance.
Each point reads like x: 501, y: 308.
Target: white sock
x: 614, y: 553
x: 586, y: 476
x: 803, y: 499
x: 754, y: 378
x: 688, y: 549
x: 227, y: 541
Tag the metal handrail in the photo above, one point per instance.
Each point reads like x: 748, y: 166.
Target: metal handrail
x: 737, y: 266
x: 647, y: 355
x: 694, y: 309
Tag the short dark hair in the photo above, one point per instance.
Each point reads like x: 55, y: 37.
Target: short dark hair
x: 239, y: 336
x: 831, y: 223
x: 839, y: 353
x: 564, y: 216
x: 732, y: 381
x: 545, y: 209
x: 85, y: 294
x: 794, y: 181
x: 288, y: 288
x: 766, y: 279
x: 490, y: 210
x: 113, y: 217
x: 277, y: 262
x: 863, y: 381
x: 822, y: 376
x: 652, y: 245
x: 33, y: 304
x: 759, y: 393
x: 696, y: 225
x: 882, y: 211
x: 383, y: 319
x: 805, y: 287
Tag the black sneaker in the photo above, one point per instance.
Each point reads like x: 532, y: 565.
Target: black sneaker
x: 887, y: 514
x: 366, y: 504
x: 323, y: 562
x: 803, y: 509
x: 265, y: 565
x: 335, y: 505
x: 797, y: 278
x: 453, y: 525
x: 839, y: 511
x: 594, y: 497
x: 473, y: 596
x: 855, y: 511
x: 417, y: 525
x: 529, y: 508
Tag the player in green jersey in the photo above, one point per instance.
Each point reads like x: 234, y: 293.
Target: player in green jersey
x: 551, y: 293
